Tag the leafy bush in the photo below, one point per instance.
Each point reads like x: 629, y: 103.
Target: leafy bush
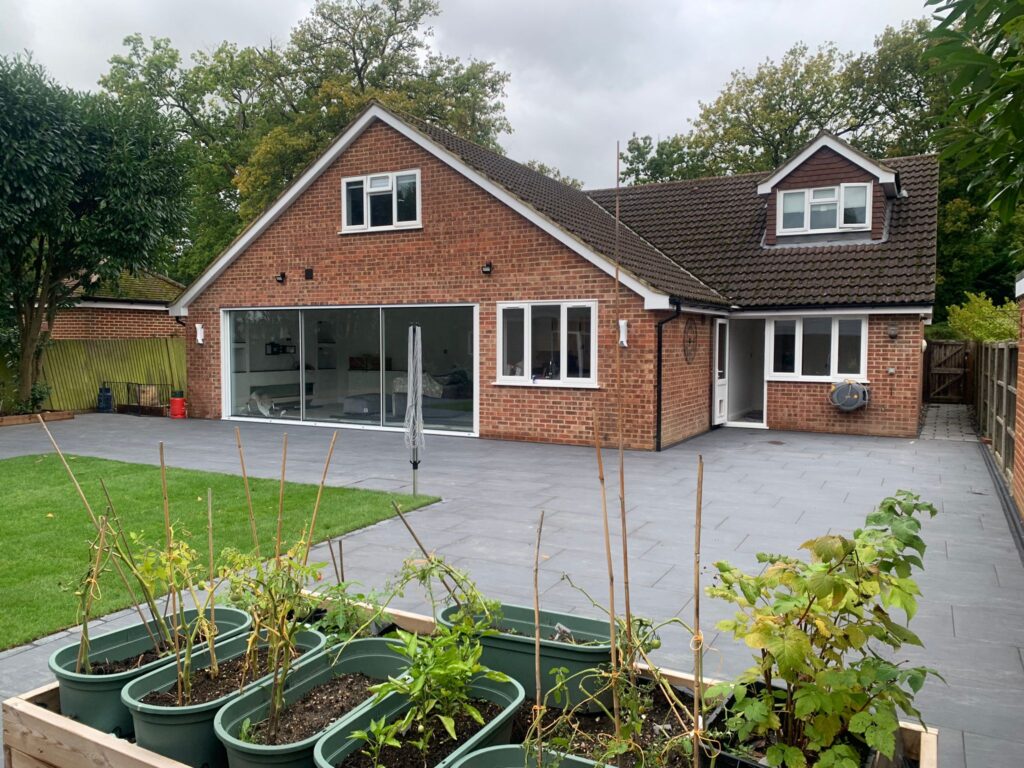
x: 818, y: 688
x: 978, y: 318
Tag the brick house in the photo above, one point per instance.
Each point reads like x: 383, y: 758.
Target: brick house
x: 740, y: 300
x: 133, y: 308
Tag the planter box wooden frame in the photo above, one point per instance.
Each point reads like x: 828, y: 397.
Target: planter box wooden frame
x: 32, y: 418
x: 36, y: 735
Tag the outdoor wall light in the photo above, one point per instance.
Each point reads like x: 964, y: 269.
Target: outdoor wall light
x: 280, y: 278
x: 487, y: 268
x: 309, y: 273
x: 894, y: 332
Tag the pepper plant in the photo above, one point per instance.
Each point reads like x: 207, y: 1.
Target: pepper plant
x: 820, y: 692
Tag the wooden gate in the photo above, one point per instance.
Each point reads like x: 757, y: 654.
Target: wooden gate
x: 948, y: 366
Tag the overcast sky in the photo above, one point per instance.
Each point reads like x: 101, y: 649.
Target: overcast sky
x: 585, y: 73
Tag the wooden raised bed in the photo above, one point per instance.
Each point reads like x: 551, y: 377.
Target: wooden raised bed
x: 32, y: 418
x: 36, y: 735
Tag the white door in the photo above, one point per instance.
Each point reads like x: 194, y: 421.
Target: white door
x: 720, y: 403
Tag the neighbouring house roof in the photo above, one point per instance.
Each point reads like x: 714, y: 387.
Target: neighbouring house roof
x: 715, y: 227
x: 142, y: 287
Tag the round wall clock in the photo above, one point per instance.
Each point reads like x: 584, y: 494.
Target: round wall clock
x: 690, y: 340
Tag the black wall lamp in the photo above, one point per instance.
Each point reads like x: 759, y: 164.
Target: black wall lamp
x: 894, y: 332
x: 280, y: 278
x: 487, y: 268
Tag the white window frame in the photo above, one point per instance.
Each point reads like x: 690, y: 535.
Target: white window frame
x: 840, y: 200
x: 834, y: 374
x: 527, y: 380
x: 347, y: 229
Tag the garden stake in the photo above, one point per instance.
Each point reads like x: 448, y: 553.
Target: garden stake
x: 248, y: 494
x: 538, y: 708
x: 213, y: 601
x: 622, y: 453
x: 71, y: 474
x: 341, y: 559
x: 280, y: 498
x: 91, y: 585
x: 430, y: 557
x: 611, y: 577
x: 334, y: 561
x: 697, y: 642
x: 319, y: 495
x: 172, y: 586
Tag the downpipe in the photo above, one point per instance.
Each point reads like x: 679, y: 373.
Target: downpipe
x: 661, y: 333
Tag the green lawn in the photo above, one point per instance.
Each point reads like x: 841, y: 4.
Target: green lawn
x: 45, y: 530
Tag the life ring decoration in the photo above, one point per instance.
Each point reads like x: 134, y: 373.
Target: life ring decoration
x: 690, y: 340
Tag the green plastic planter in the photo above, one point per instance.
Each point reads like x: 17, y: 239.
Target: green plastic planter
x: 373, y: 657
x: 513, y: 654
x: 518, y: 756
x: 186, y: 734
x: 96, y: 699
x: 337, y: 744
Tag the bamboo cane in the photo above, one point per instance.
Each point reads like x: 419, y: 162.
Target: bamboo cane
x: 172, y: 585
x: 611, y: 577
x: 90, y: 591
x: 280, y: 499
x: 319, y: 495
x: 248, y: 494
x: 698, y: 639
x: 74, y: 480
x: 538, y: 709
x: 423, y: 549
x: 211, y: 586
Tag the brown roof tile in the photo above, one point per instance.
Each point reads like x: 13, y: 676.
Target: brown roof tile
x: 141, y: 287
x: 714, y: 227
x: 575, y: 212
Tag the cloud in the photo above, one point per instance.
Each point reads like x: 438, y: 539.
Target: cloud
x: 585, y: 73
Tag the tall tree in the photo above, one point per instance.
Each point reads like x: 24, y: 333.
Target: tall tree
x: 92, y: 187
x: 981, y: 42
x: 254, y: 118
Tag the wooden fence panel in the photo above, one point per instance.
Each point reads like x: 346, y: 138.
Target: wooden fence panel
x: 995, y: 400
x: 76, y: 368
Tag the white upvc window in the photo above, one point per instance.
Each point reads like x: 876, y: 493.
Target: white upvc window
x: 839, y: 208
x: 380, y: 201
x: 818, y: 348
x: 547, y: 343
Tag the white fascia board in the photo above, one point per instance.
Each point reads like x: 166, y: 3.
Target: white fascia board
x: 925, y: 312
x: 1019, y: 287
x: 652, y: 299
x: 85, y: 304
x: 884, y: 176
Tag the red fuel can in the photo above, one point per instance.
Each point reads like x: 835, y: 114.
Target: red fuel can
x: 177, y: 408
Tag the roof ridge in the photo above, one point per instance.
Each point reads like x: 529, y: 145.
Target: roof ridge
x: 677, y: 182
x: 544, y: 178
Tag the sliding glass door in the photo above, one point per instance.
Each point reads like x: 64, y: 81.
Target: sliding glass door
x: 350, y: 365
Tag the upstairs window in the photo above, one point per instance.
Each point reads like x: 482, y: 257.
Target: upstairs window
x: 550, y: 344
x: 824, y: 209
x: 381, y: 201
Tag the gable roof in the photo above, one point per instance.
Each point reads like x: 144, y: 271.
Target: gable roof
x: 567, y: 214
x: 886, y: 176
x: 715, y: 226
x: 141, y: 287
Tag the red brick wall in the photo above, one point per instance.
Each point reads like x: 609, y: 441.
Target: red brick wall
x: 463, y: 227
x: 686, y: 395
x: 824, y: 168
x: 95, y: 323
x: 895, y: 406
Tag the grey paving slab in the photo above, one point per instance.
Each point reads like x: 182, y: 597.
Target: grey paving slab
x: 762, y: 491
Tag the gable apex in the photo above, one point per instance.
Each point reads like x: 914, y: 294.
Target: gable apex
x: 887, y: 177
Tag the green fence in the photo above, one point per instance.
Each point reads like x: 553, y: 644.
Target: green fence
x: 74, y: 369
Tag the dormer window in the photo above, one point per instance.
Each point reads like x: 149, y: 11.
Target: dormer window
x: 381, y: 201
x: 824, y: 209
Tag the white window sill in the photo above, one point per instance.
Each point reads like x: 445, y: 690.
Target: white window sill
x: 830, y: 231
x: 369, y: 230
x: 818, y: 379
x: 547, y: 384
